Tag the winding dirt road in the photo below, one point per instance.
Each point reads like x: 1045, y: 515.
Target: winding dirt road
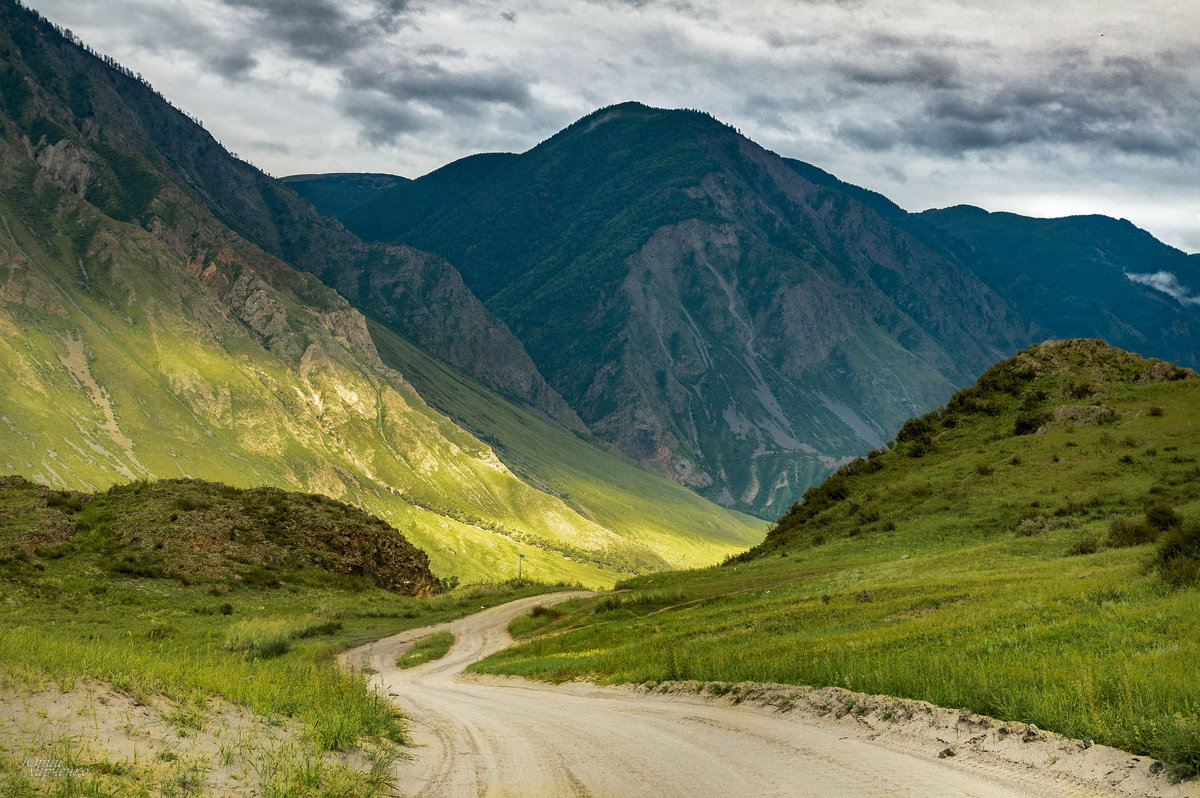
x: 507, y: 737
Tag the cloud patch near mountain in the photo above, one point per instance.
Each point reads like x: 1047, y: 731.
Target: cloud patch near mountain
x: 1167, y: 283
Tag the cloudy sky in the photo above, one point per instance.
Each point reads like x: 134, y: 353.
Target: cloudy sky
x: 1045, y: 107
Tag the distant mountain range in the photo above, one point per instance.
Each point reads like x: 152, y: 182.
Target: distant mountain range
x: 158, y: 321
x: 743, y: 323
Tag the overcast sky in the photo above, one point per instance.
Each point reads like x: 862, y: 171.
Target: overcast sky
x: 1045, y: 107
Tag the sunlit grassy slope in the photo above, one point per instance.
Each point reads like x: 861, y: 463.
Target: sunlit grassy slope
x: 661, y: 517
x: 968, y: 565
x: 118, y: 364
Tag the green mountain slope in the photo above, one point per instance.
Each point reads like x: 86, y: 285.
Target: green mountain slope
x: 143, y: 337
x: 1031, y: 552
x: 108, y: 104
x: 336, y: 193
x: 673, y: 526
x: 717, y: 317
x: 1080, y: 275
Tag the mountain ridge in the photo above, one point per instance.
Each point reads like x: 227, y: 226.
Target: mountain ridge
x: 638, y: 229
x: 651, y: 220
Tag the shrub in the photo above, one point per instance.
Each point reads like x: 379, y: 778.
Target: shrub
x: 1029, y: 422
x: 1178, y: 557
x: 1088, y: 544
x: 984, y: 470
x: 1156, y: 411
x: 1124, y: 531
x: 1078, y: 390
x: 1162, y: 517
x: 140, y: 567
x: 919, y: 432
x: 64, y: 501
x: 1030, y: 527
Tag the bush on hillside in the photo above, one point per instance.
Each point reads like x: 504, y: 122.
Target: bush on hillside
x: 1178, y: 557
x: 1125, y: 531
x: 1030, y: 422
x: 1088, y: 544
x: 1162, y: 517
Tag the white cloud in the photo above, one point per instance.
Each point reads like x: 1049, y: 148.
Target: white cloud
x: 1166, y: 282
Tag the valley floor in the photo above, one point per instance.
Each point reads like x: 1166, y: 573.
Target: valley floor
x: 507, y: 737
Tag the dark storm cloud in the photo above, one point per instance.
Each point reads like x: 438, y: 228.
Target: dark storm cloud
x: 407, y: 96
x: 1132, y: 106
x: 381, y: 121
x: 925, y: 70
x: 430, y: 82
x: 321, y: 31
x: 232, y: 65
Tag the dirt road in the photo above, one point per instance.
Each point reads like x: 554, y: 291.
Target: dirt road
x: 494, y: 737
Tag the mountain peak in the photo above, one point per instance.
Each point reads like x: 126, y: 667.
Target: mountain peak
x: 633, y: 114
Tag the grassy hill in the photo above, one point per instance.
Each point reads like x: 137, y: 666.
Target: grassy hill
x: 190, y: 597
x: 1030, y: 551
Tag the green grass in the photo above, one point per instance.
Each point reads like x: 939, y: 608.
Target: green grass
x: 934, y: 579
x: 270, y: 638
x: 269, y: 648
x: 427, y: 649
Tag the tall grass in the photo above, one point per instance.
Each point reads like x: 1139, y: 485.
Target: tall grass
x: 271, y: 637
x: 427, y: 649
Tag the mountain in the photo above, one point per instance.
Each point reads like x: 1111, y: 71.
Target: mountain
x: 1090, y: 276
x: 336, y: 193
x: 703, y: 307
x: 154, y: 326
x: 1031, y: 552
x: 743, y: 323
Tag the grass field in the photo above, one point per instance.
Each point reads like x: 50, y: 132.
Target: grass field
x: 970, y: 567
x: 427, y: 649
x: 271, y: 649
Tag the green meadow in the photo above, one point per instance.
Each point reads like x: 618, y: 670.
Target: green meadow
x: 252, y: 626
x: 1029, y: 552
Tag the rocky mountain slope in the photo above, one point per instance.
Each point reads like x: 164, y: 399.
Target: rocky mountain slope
x: 741, y: 322
x: 731, y: 324
x: 152, y: 328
